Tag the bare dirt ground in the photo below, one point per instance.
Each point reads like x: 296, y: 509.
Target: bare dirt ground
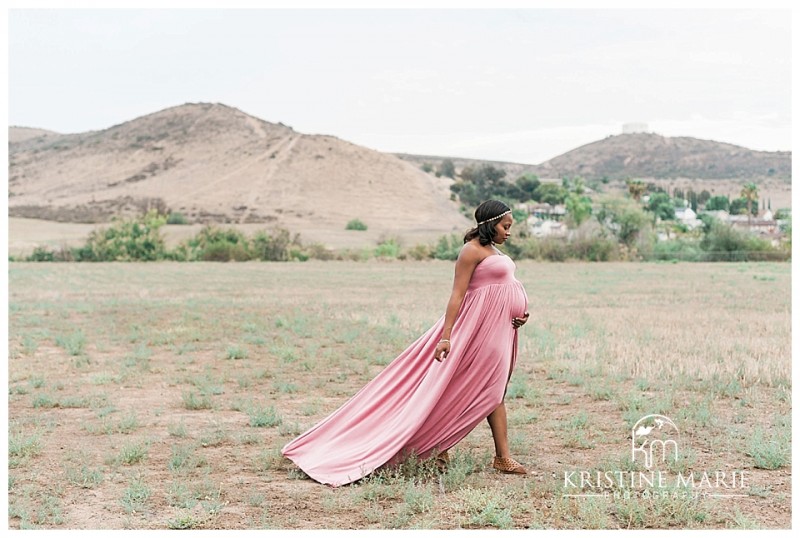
x: 154, y: 396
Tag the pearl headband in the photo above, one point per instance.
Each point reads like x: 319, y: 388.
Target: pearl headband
x: 494, y: 218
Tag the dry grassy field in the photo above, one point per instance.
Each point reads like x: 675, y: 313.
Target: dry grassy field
x: 158, y: 395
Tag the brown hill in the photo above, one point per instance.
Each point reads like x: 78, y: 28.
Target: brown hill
x: 648, y: 155
x: 645, y: 155
x: 212, y: 162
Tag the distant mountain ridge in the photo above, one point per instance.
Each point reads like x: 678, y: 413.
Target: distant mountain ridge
x: 646, y: 155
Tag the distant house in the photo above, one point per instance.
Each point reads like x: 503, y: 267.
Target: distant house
x: 540, y: 210
x: 763, y: 224
x: 544, y: 209
x: 686, y: 216
x: 546, y: 228
x: 685, y: 213
x: 719, y: 214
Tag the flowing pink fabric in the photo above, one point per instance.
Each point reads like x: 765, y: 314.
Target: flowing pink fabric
x: 417, y: 404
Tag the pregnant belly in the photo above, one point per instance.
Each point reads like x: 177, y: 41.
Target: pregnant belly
x: 518, y: 300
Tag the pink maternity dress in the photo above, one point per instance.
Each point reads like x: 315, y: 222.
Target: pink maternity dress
x: 418, y: 404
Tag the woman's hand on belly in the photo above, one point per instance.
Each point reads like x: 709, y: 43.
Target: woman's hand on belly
x: 519, y: 322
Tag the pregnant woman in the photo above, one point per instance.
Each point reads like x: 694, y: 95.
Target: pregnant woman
x: 444, y: 384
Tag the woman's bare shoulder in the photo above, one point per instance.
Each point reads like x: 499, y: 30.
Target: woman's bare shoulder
x: 471, y: 253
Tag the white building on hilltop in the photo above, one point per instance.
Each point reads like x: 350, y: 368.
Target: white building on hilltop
x: 629, y: 128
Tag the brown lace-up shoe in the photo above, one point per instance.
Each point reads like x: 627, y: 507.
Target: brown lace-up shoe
x: 508, y: 465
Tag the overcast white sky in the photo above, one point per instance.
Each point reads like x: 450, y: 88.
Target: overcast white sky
x: 514, y: 85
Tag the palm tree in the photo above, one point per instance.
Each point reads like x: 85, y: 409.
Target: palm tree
x: 636, y: 188
x: 750, y: 193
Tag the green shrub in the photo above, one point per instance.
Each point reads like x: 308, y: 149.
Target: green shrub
x: 298, y: 254
x: 135, y: 497
x: 133, y: 452
x: 388, y: 248
x: 591, y: 248
x: 595, y: 249
x: 41, y: 254
x: 519, y: 248
x: 176, y: 218
x: 84, y: 477
x: 769, y: 450
x: 355, y: 224
x: 229, y: 244
x: 74, y: 343
x: 420, y: 252
x: 236, y: 352
x: 261, y: 416
x: 553, y: 249
x: 447, y: 168
x: 448, y: 247
x: 136, y: 239
x: 193, y: 400
x: 723, y: 242
x: 678, y: 249
x: 214, y: 244
x: 224, y: 252
x: 274, y: 247
x: 623, y: 218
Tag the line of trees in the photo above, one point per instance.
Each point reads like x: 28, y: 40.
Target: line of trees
x: 745, y: 204
x: 623, y: 228
x: 479, y: 183
x: 620, y: 230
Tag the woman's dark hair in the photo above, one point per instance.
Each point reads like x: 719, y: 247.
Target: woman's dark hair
x: 487, y: 210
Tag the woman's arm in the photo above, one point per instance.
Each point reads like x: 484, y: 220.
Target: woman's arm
x: 468, y: 259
